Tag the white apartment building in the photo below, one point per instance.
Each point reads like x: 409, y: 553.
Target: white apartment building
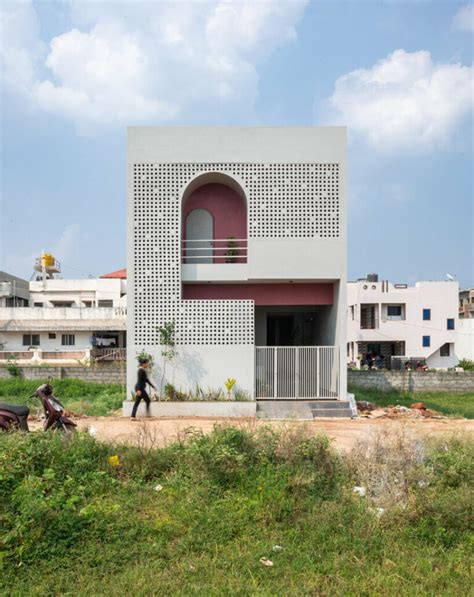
x: 64, y: 318
x: 417, y: 322
x: 237, y: 236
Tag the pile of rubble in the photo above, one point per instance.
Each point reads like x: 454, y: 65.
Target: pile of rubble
x: 417, y: 410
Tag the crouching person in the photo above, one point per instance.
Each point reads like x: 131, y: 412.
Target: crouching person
x: 140, y: 388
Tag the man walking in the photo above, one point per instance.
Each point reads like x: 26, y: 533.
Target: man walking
x: 140, y: 387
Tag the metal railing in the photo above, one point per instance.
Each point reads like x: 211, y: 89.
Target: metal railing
x: 224, y: 250
x: 296, y: 372
x: 109, y: 354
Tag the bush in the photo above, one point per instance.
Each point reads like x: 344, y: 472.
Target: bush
x: 196, y: 517
x: 466, y: 364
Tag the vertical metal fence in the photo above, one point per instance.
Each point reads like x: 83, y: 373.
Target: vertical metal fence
x: 294, y: 372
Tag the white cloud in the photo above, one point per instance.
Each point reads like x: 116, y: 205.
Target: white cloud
x: 404, y: 101
x: 137, y: 61
x: 464, y: 18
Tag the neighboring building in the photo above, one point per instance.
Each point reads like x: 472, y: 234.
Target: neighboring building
x: 67, y: 317
x: 14, y: 292
x: 396, y: 320
x: 238, y: 236
x: 466, y: 304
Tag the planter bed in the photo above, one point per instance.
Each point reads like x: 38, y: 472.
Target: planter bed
x: 231, y: 408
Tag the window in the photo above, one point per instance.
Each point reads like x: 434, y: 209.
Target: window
x: 426, y: 341
x: 426, y: 314
x: 106, y: 303
x: 62, y: 305
x: 51, y: 336
x: 68, y: 339
x: 31, y: 340
x: 450, y: 324
x: 394, y: 311
x: 87, y: 303
x: 37, y: 304
x: 444, y: 350
x: 352, y: 312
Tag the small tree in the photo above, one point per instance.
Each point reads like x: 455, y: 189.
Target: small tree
x: 168, y: 353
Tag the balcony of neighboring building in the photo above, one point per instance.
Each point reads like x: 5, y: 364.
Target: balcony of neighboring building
x: 41, y: 318
x: 214, y: 230
x: 369, y: 316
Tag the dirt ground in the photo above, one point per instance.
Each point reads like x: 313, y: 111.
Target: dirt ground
x: 344, y: 432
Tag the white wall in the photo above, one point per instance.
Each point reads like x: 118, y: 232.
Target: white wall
x: 78, y: 291
x: 465, y: 339
x: 206, y: 366
x: 14, y: 341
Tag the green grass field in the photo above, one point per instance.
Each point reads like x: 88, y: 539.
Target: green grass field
x: 458, y: 405
x: 196, y: 518
x: 81, y: 397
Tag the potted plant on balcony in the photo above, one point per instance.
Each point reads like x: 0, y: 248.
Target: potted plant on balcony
x: 231, y: 254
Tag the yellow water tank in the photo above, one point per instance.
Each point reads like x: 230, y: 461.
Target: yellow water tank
x: 47, y: 260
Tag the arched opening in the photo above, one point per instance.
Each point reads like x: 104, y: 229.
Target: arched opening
x: 199, y: 235
x: 217, y: 207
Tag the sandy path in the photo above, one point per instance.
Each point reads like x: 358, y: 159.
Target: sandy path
x: 344, y: 432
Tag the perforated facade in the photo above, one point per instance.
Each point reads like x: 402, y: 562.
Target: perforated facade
x: 284, y: 201
x: 293, y: 183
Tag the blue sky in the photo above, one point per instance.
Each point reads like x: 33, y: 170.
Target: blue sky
x: 398, y: 74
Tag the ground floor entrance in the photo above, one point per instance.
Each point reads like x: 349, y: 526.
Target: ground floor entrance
x: 296, y: 372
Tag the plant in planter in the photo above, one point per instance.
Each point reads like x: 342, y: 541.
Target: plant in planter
x: 231, y: 254
x: 12, y: 367
x: 171, y: 393
x: 169, y: 352
x: 229, y: 384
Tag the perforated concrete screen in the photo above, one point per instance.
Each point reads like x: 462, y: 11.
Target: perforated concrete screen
x: 298, y: 201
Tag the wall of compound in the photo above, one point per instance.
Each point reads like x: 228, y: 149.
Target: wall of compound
x: 413, y: 381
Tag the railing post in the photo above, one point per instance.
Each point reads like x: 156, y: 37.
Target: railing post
x: 318, y: 370
x: 275, y: 371
x: 297, y: 372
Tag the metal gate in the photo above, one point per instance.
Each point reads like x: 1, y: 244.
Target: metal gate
x: 296, y: 372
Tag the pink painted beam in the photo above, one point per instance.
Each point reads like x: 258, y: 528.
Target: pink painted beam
x: 263, y: 294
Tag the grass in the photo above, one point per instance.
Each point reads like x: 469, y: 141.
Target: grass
x: 80, y: 397
x: 196, y: 517
x: 458, y: 405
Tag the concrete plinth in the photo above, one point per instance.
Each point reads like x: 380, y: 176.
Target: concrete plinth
x: 194, y: 409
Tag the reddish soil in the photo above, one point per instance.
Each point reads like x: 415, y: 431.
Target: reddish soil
x: 344, y: 432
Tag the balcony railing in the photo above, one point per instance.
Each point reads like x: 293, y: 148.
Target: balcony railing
x: 224, y: 250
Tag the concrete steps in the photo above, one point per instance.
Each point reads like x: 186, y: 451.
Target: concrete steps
x: 339, y: 409
x: 303, y: 409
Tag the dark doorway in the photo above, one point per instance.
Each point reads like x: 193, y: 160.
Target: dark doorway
x: 280, y: 330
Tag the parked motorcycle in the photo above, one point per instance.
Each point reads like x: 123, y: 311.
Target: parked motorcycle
x: 13, y: 416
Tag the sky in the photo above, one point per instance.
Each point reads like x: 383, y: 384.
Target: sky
x: 398, y: 74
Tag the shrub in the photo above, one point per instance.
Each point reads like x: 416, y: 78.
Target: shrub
x: 466, y: 364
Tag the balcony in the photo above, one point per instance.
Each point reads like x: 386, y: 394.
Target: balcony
x: 369, y: 317
x: 214, y: 260
x: 16, y: 319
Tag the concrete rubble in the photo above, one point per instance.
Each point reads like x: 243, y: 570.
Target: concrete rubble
x: 417, y: 410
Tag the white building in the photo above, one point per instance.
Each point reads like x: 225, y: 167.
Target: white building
x: 66, y: 318
x: 237, y: 236
x: 417, y: 322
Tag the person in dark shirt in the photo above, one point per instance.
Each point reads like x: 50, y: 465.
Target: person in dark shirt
x: 140, y: 388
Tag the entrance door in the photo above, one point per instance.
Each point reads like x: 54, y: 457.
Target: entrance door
x: 199, y: 235
x: 280, y: 330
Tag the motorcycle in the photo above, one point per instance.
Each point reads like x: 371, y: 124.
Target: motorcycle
x: 13, y: 416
